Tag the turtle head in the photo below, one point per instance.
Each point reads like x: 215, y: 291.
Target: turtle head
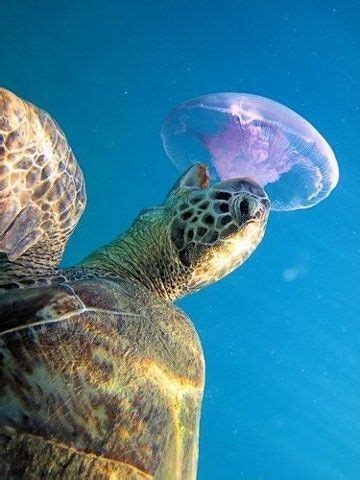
x: 198, y: 235
x: 213, y: 228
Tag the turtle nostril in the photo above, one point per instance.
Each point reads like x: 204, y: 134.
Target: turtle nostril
x: 265, y: 202
x: 244, y: 207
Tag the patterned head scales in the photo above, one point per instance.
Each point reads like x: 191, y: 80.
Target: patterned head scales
x: 42, y: 189
x: 215, y: 227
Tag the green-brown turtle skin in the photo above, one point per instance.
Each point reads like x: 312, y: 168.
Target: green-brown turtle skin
x: 101, y: 377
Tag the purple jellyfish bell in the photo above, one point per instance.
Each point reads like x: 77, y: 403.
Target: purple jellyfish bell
x: 243, y: 135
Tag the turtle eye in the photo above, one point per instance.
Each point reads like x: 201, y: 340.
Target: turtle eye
x: 244, y: 207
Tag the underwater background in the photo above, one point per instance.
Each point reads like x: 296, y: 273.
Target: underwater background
x: 281, y: 335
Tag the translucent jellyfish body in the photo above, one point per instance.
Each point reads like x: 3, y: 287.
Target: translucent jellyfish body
x: 243, y: 135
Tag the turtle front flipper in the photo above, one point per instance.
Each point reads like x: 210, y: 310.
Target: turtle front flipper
x: 42, y: 189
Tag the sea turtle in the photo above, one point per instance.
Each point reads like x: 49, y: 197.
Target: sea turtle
x: 100, y: 375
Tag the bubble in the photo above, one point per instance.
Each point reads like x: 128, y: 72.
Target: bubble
x: 244, y: 135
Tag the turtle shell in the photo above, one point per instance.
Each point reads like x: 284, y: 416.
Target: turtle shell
x: 98, y: 380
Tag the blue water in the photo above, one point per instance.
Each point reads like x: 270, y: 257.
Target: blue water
x: 282, y: 334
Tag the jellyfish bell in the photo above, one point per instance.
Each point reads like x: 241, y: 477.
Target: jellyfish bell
x: 244, y: 135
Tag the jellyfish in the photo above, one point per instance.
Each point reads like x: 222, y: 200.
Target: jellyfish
x: 245, y: 135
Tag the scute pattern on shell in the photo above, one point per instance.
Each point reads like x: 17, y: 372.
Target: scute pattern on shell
x: 103, y: 375
x: 42, y: 189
